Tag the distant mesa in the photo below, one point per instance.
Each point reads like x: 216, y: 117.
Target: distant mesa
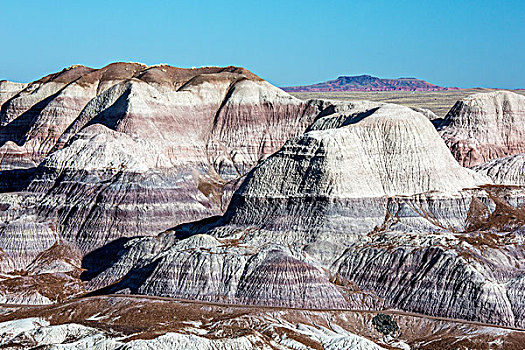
x: 368, y: 83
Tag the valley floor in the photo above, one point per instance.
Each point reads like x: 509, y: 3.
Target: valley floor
x: 130, y: 320
x: 438, y: 102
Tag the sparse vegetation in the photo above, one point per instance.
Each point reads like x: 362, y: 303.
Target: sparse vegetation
x: 385, y: 324
x: 439, y: 102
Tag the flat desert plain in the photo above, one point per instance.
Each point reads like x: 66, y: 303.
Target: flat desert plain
x: 438, y: 102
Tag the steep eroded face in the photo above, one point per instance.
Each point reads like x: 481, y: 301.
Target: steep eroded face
x: 133, y: 150
x: 485, y: 126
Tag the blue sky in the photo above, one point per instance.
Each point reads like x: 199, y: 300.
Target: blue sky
x: 451, y: 43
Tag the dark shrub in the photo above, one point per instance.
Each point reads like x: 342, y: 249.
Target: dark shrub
x: 385, y: 324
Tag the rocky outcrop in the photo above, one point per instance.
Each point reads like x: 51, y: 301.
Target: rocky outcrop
x: 505, y: 171
x: 368, y: 83
x: 9, y: 89
x: 205, y: 268
x: 369, y: 199
x: 128, y: 149
x: 485, y: 126
x: 53, y: 276
x: 364, y: 207
x: 23, y: 238
x: 390, y: 149
x: 427, y: 113
x: 475, y: 281
x: 48, y: 112
x: 379, y: 176
x: 349, y: 170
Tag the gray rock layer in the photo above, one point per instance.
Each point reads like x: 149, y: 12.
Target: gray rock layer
x: 204, y: 268
x: 505, y: 171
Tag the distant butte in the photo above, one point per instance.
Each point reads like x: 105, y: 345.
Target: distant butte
x: 368, y: 83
